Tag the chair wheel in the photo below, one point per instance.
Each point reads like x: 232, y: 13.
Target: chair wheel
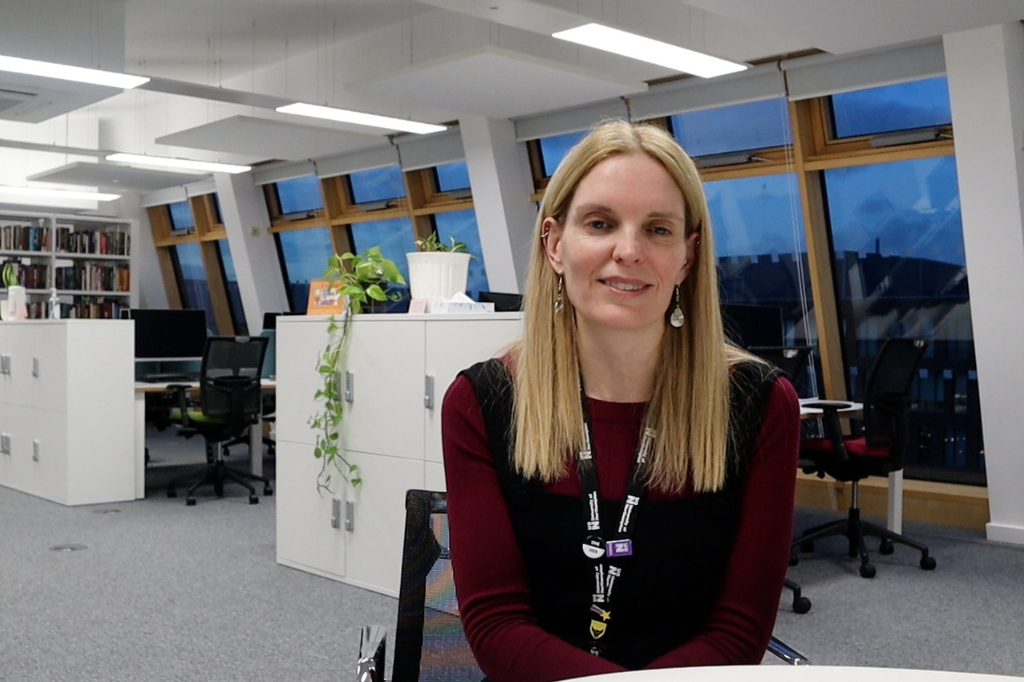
x: 190, y: 501
x: 886, y: 547
x: 807, y: 545
x: 801, y: 605
x: 171, y: 492
x: 794, y: 560
x: 268, y: 491
x: 867, y: 571
x: 253, y: 499
x: 928, y: 563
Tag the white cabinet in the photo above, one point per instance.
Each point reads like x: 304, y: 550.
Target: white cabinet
x: 87, y: 260
x: 66, y: 409
x: 399, y: 367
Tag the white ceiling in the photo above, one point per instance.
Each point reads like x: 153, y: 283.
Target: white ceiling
x: 218, y: 65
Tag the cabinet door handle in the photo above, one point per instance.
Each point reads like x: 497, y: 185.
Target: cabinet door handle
x: 428, y: 391
x: 350, y: 386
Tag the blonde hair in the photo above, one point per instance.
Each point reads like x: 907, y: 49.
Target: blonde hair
x: 690, y: 404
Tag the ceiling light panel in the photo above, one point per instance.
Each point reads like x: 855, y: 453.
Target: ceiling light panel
x: 77, y: 74
x: 178, y: 164
x: 649, y: 50
x: 372, y: 120
x: 48, y: 193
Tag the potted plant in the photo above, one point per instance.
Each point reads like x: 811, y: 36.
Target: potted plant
x: 361, y: 279
x: 16, y: 302
x: 437, y: 271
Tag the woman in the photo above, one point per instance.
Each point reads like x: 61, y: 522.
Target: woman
x: 620, y: 485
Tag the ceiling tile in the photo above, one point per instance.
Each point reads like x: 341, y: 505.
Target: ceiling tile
x: 113, y: 176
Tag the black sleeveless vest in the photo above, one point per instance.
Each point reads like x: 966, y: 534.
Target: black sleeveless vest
x: 680, y: 547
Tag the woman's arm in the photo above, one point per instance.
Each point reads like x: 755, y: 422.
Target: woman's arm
x: 490, y: 579
x: 743, y: 617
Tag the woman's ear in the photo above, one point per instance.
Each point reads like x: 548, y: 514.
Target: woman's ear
x: 692, y: 244
x: 552, y: 232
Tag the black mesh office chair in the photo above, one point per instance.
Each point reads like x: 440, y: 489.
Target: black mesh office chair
x: 429, y: 641
x: 229, y: 402
x: 878, y: 451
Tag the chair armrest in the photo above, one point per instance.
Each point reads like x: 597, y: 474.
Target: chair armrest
x: 372, y: 647
x: 181, y: 395
x: 786, y: 653
x: 833, y: 431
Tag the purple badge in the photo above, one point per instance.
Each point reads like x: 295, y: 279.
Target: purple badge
x: 619, y: 548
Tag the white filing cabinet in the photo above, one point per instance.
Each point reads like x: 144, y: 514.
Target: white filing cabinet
x: 391, y: 431
x: 66, y: 409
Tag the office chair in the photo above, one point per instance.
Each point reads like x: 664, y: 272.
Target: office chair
x: 229, y: 397
x: 268, y: 398
x: 880, y: 450
x: 429, y: 641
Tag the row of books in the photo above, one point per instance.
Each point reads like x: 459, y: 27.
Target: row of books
x: 24, y: 238
x: 93, y: 277
x: 106, y: 242
x: 35, y: 276
x: 86, y: 308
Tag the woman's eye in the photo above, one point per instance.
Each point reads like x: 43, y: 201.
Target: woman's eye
x: 597, y: 224
x: 661, y: 231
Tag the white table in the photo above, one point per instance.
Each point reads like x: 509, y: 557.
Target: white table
x: 787, y: 673
x: 144, y: 387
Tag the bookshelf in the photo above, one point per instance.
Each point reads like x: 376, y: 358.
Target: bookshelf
x: 85, y: 260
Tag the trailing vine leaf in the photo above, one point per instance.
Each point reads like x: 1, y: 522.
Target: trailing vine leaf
x: 360, y: 278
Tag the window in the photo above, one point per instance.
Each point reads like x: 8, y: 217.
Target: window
x: 195, y: 293
x: 299, y: 197
x: 395, y: 238
x: 462, y: 226
x: 379, y: 184
x: 553, y: 149
x: 452, y: 176
x: 737, y: 127
x: 231, y: 285
x: 889, y: 108
x: 900, y: 271
x: 304, y: 257
x: 181, y: 217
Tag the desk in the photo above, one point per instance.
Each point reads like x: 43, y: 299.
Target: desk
x: 793, y: 673
x: 849, y: 408
x: 144, y: 387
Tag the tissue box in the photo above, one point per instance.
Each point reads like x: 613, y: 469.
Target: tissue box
x: 450, y: 307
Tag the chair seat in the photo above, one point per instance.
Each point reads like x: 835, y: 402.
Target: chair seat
x: 860, y: 447
x: 198, y: 417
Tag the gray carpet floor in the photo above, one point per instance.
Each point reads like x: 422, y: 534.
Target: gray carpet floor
x: 160, y: 591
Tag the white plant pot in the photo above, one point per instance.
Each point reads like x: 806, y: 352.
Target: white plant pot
x: 16, y: 303
x: 437, y: 275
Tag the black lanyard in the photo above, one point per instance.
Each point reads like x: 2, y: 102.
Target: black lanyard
x: 621, y: 543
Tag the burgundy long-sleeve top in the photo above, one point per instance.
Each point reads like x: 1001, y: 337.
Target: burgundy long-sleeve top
x: 490, y: 576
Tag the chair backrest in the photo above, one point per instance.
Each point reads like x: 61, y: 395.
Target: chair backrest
x: 791, y: 360
x: 887, y: 394
x: 229, y: 381
x: 429, y: 641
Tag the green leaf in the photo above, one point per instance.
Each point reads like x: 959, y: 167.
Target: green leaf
x: 376, y: 293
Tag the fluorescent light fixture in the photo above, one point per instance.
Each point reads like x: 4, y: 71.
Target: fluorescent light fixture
x: 346, y: 116
x: 48, y: 193
x: 648, y: 50
x: 177, y: 164
x: 78, y: 74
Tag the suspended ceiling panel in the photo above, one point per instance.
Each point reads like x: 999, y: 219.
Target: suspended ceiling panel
x: 497, y: 83
x: 113, y: 176
x: 842, y: 26
x: 262, y: 139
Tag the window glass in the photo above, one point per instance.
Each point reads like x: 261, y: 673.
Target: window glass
x: 452, y: 176
x: 553, y: 149
x: 891, y: 107
x: 231, y: 284
x: 300, y: 195
x: 737, y: 127
x: 762, y: 263
x: 192, y: 284
x: 218, y: 217
x: 900, y: 271
x: 304, y: 256
x: 379, y: 184
x: 181, y: 216
x: 462, y: 226
x: 395, y: 238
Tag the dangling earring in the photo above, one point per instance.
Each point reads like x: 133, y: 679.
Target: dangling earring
x: 558, y: 298
x: 677, y: 319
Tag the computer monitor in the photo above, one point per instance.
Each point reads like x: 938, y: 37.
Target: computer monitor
x: 752, y: 325
x: 503, y: 303
x: 270, y: 319
x: 169, y: 334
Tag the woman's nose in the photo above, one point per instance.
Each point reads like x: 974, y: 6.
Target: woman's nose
x: 628, y: 246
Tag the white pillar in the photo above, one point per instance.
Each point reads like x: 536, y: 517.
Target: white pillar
x: 985, y: 68
x: 260, y: 280
x: 499, y: 172
x: 147, y: 280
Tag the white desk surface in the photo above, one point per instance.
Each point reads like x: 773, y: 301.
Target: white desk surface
x: 846, y: 407
x: 791, y: 673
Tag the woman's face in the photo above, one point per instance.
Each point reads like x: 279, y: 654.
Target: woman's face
x: 623, y: 247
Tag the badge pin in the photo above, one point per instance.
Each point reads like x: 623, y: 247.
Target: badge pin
x: 619, y: 548
x: 593, y: 552
x: 597, y: 629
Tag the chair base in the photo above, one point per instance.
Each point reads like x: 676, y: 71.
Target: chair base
x: 801, y: 604
x: 854, y: 529
x: 217, y: 474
